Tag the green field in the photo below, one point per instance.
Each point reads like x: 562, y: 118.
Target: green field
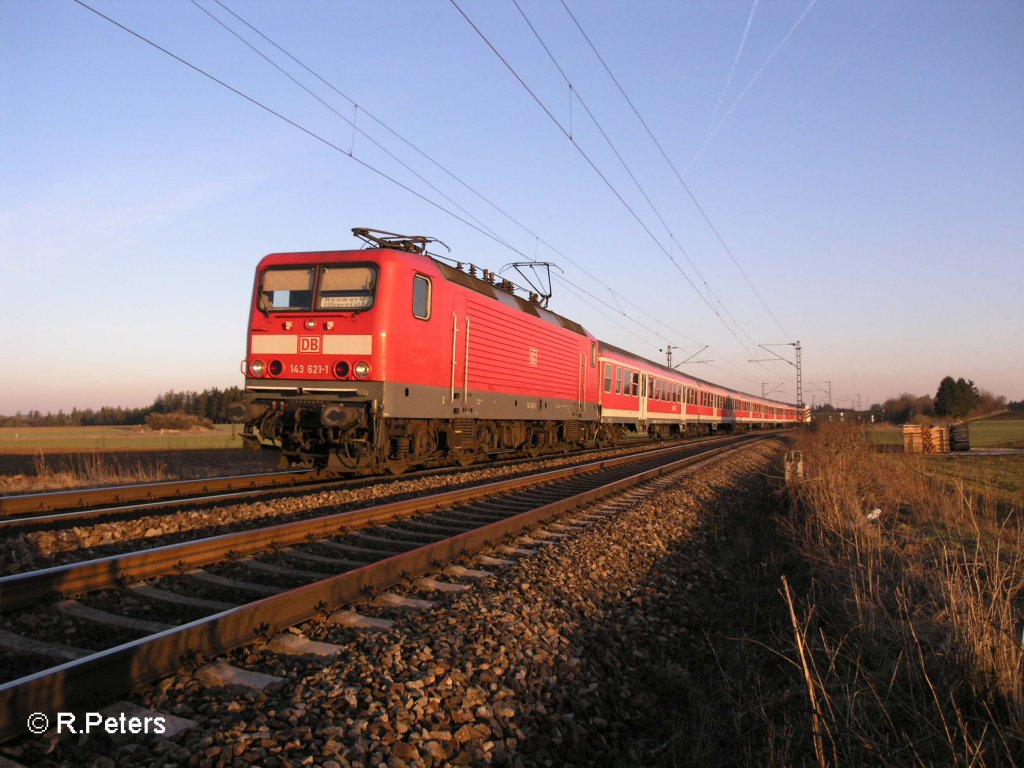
x: 885, y: 434
x: 30, y: 440
x: 1003, y: 431
x: 998, y: 433
x: 999, y: 479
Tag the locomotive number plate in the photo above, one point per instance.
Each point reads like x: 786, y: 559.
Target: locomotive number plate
x: 309, y: 369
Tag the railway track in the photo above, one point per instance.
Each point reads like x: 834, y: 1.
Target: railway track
x: 207, y: 596
x: 83, y: 506
x: 81, y: 503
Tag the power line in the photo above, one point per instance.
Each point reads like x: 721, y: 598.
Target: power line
x: 611, y: 144
x: 390, y: 130
x: 603, y: 178
x: 291, y: 122
x: 342, y: 117
x: 675, y: 171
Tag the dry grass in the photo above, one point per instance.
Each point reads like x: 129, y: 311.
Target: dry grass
x: 852, y: 639
x: 908, y: 631
x: 79, y: 470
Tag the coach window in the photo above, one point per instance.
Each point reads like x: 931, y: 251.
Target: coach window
x: 636, y: 384
x: 618, y: 380
x: 286, y: 289
x: 420, y: 297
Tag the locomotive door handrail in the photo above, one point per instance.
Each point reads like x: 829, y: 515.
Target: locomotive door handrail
x: 465, y: 369
x: 581, y: 384
x: 455, y: 347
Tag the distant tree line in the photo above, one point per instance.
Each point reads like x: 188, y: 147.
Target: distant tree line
x: 955, y: 399
x: 206, y: 407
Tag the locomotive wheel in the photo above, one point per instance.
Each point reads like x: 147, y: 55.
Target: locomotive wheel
x: 395, y: 466
x: 464, y: 458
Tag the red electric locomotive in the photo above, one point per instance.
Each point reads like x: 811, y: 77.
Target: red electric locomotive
x: 387, y: 357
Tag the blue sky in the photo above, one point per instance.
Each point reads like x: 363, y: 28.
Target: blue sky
x: 863, y: 163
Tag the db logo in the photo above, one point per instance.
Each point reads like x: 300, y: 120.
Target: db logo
x: 309, y: 343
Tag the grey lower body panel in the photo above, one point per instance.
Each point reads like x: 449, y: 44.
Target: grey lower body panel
x: 404, y: 401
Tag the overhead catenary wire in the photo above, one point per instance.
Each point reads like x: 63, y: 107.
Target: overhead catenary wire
x: 289, y: 121
x: 614, y: 149
x: 352, y: 122
x: 597, y: 170
x: 537, y: 238
x: 675, y: 171
x: 714, y: 300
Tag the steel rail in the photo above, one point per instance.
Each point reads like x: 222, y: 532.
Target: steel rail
x: 165, y: 490
x: 107, y: 673
x: 74, y: 506
x: 24, y: 589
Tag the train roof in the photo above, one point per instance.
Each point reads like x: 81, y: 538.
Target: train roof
x: 507, y: 297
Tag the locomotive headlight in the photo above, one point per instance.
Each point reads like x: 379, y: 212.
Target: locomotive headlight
x: 257, y: 368
x: 341, y: 369
x: 276, y: 367
x: 361, y: 369
x: 310, y: 324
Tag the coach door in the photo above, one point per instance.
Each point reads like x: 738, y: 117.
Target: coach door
x: 643, y: 397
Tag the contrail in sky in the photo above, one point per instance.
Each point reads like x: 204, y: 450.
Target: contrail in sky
x: 735, y: 61
x: 753, y: 80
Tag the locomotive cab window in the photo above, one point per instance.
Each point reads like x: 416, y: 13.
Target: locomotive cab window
x: 348, y: 288
x: 421, y: 297
x: 286, y: 289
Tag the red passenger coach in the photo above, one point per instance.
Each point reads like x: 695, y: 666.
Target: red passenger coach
x: 638, y: 394
x: 388, y: 357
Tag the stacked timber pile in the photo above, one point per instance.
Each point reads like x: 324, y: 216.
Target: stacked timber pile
x: 939, y: 439
x: 918, y: 439
x: 912, y: 438
x: 960, y: 437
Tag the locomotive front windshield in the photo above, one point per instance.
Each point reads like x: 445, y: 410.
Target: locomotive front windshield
x: 347, y: 287
x: 292, y: 289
